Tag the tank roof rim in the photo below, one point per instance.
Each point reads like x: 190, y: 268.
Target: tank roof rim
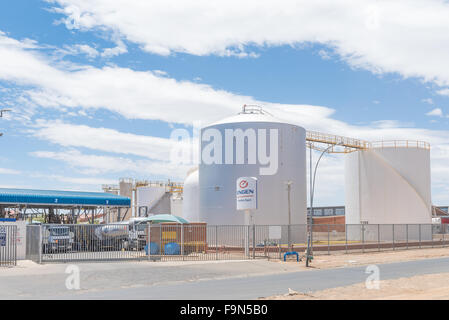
x: 275, y: 120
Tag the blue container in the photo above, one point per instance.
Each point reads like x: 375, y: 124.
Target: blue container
x: 172, y: 248
x: 154, y: 248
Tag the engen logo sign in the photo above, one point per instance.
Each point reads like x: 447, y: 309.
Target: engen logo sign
x: 246, y: 194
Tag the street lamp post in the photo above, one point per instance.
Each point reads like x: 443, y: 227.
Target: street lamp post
x: 1, y: 116
x: 289, y: 188
x: 3, y: 111
x: 309, y: 252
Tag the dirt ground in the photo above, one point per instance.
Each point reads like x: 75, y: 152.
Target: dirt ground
x: 424, y: 287
x: 367, y: 258
x: 432, y: 286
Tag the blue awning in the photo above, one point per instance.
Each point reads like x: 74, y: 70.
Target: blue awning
x: 61, y: 198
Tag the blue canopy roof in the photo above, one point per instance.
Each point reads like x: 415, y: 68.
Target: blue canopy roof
x: 61, y: 198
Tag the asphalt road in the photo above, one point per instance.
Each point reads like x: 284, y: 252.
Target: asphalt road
x: 251, y: 287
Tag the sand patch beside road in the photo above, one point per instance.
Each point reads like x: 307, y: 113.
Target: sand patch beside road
x: 430, y: 286
x: 423, y: 287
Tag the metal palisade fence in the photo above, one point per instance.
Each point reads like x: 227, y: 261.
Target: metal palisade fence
x: 8, y: 245
x: 169, y: 241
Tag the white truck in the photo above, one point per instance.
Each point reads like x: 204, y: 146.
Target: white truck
x: 125, y: 235
x: 57, y: 238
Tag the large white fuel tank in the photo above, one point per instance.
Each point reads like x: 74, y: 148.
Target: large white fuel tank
x: 389, y: 183
x: 252, y: 144
x: 191, y: 196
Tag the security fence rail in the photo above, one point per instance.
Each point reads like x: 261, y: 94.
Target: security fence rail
x: 168, y: 241
x: 8, y: 245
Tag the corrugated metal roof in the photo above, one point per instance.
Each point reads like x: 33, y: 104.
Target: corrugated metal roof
x: 61, y: 198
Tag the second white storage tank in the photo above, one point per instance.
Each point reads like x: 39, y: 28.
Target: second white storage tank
x: 387, y: 184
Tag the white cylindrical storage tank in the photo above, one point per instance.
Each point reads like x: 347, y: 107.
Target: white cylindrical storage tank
x: 253, y: 144
x: 191, y: 197
x: 389, y: 183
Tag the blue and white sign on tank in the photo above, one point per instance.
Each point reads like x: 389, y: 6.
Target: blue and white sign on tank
x: 246, y: 194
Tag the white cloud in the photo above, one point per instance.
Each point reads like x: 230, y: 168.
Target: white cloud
x: 330, y: 178
x: 145, y: 95
x: 435, y: 112
x: 428, y: 100
x: 115, y: 51
x: 410, y: 37
x: 13, y: 43
x: 160, y: 72
x: 77, y: 49
x: 74, y: 180
x: 443, y: 92
x: 103, y: 139
x: 9, y: 171
x: 110, y: 141
x: 133, y: 94
x: 97, y: 165
x: 325, y: 55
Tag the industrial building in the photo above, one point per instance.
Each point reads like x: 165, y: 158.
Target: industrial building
x: 388, y: 199
x: 147, y: 197
x: 52, y: 206
x: 386, y: 182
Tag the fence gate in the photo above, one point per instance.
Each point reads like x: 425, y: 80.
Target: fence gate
x: 34, y: 243
x: 8, y: 245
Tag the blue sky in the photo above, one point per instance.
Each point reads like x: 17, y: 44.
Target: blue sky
x: 76, y: 70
